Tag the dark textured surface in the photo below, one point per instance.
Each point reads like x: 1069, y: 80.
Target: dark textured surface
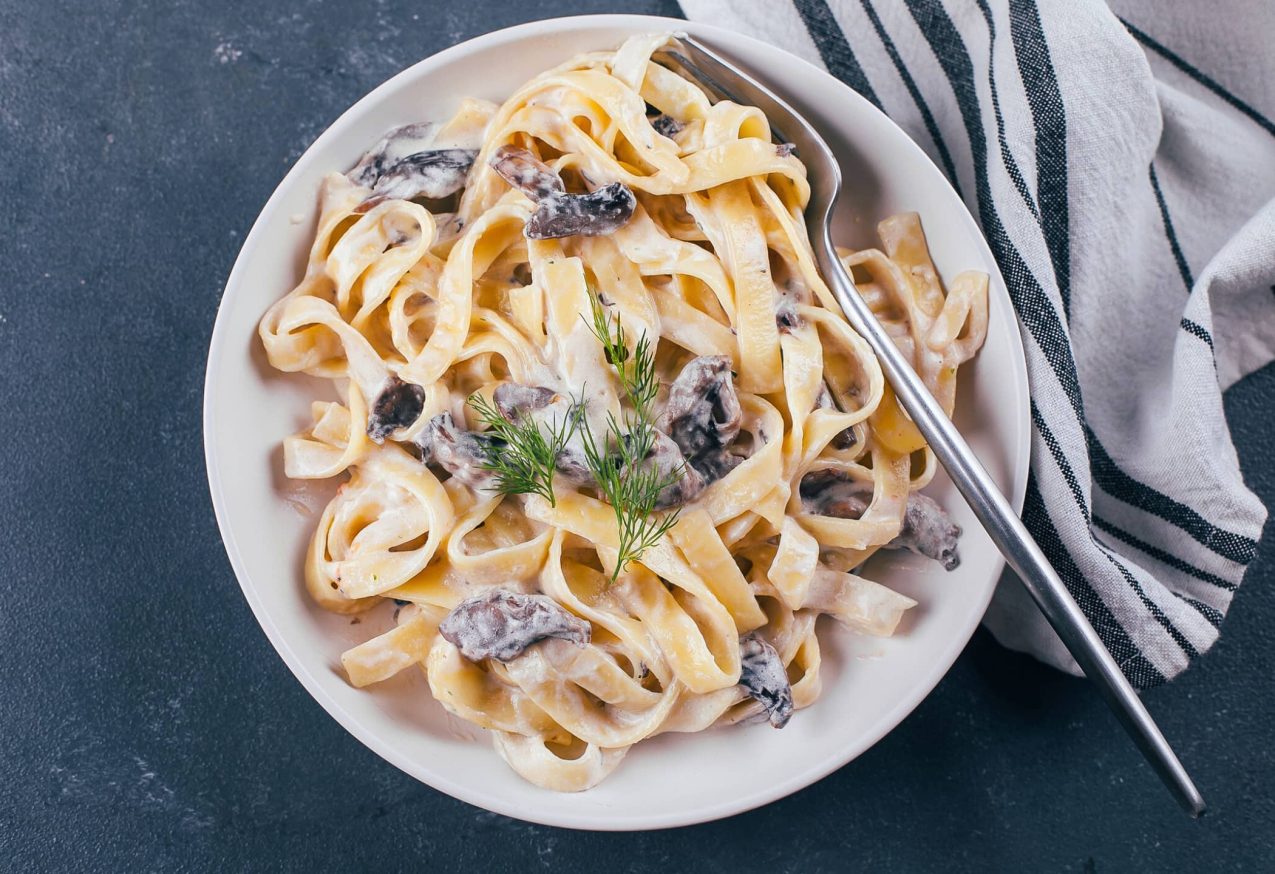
x: 147, y: 724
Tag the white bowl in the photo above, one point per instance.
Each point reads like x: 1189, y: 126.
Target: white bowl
x: 870, y: 685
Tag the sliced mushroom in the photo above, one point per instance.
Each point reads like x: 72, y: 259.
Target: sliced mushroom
x: 518, y: 403
x: 403, y: 166
x: 844, y: 439
x: 666, y: 459
x: 763, y: 676
x: 572, y: 466
x: 527, y: 173
x: 595, y: 214
x: 397, y: 144
x: 831, y: 492
x: 398, y: 405
x: 786, y: 315
x: 434, y: 174
x: 559, y: 214
x: 666, y: 125
x: 716, y: 465
x: 461, y: 453
x: 500, y: 624
x: 703, y: 415
x: 929, y: 531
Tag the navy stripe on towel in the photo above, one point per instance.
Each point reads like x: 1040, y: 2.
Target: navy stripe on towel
x: 837, y: 55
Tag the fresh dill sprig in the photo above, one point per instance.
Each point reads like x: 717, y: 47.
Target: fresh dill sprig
x: 637, y: 370
x: 522, y: 456
x: 630, y: 485
x: 619, y: 464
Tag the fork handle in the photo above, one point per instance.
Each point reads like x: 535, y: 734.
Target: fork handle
x: 1008, y: 533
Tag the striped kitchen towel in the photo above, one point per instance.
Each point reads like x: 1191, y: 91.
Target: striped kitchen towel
x: 1121, y: 162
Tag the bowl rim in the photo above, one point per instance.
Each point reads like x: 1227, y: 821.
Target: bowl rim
x: 1018, y: 456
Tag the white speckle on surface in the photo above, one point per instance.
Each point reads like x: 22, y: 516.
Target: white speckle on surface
x: 544, y: 851
x: 226, y: 53
x: 86, y: 776
x: 110, y: 138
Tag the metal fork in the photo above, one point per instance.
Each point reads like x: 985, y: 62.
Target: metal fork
x: 723, y: 79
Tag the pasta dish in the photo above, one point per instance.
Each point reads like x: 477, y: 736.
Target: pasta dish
x: 607, y: 441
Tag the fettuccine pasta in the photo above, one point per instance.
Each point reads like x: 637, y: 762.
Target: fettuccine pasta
x: 606, y: 439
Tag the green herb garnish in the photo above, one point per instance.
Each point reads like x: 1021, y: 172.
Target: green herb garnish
x: 630, y: 485
x: 522, y: 456
x: 636, y: 371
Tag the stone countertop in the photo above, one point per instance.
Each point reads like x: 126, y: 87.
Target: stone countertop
x: 147, y: 723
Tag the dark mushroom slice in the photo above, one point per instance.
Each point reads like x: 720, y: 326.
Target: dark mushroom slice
x: 434, y: 174
x: 402, y: 166
x: 500, y: 624
x: 517, y: 403
x: 666, y: 125
x: 559, y: 214
x: 397, y: 144
x: 928, y: 531
x: 527, y: 173
x: 703, y: 415
x: 765, y: 679
x: 595, y: 214
x: 786, y: 316
x: 703, y: 412
x: 461, y: 453
x: 715, y: 465
x: 572, y: 465
x: 666, y: 460
x: 398, y: 405
x: 844, y: 439
x: 831, y: 492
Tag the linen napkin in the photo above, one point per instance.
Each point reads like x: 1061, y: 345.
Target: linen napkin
x: 1121, y: 162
